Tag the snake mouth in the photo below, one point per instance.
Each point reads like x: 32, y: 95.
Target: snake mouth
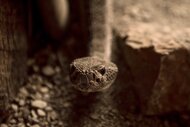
x: 83, y: 87
x: 90, y: 87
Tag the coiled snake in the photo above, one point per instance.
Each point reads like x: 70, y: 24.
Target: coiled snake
x: 96, y: 72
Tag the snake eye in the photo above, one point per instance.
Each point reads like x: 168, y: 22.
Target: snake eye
x: 102, y: 70
x: 72, y: 68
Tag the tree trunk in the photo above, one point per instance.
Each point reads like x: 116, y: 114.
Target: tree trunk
x: 12, y: 49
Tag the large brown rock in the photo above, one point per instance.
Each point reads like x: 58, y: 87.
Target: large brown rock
x: 158, y: 58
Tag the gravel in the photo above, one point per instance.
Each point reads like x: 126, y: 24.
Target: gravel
x: 48, y: 71
x: 39, y: 104
x: 41, y: 112
x: 32, y: 106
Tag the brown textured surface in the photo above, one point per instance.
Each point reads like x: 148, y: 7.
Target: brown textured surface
x: 12, y: 49
x: 157, y: 53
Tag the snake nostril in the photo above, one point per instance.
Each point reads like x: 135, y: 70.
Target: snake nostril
x: 98, y: 80
x: 94, y: 76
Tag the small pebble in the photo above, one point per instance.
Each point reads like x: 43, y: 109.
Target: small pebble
x: 44, y: 89
x: 14, y: 107
x: 38, y: 95
x: 49, y: 85
x: 21, y: 102
x: 41, y: 112
x: 13, y: 121
x: 28, y: 124
x: 36, y: 125
x: 39, y: 104
x: 30, y: 62
x: 33, y: 113
x: 60, y: 123
x: 46, y: 96
x: 4, y: 125
x: 20, y: 119
x: 35, y: 79
x: 57, y: 79
x: 66, y: 104
x: 57, y: 69
x: 35, y: 68
x: 25, y: 113
x: 53, y: 115
x: 21, y: 125
x: 24, y: 92
x: 94, y: 116
x: 48, y: 108
x: 48, y: 71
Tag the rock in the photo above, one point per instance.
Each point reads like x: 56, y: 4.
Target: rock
x: 57, y: 69
x: 34, y: 115
x: 35, y: 79
x: 44, y: 89
x: 35, y: 68
x: 39, y: 104
x: 171, y: 91
x: 158, y: 58
x: 60, y: 123
x: 48, y: 108
x: 23, y: 91
x: 41, y: 112
x: 46, y: 96
x: 28, y: 124
x: 21, y: 102
x: 25, y: 113
x: 57, y: 79
x: 94, y: 116
x: 66, y: 104
x: 20, y: 119
x: 49, y: 85
x: 48, y: 71
x: 14, y: 107
x: 13, y: 121
x: 53, y: 115
x: 38, y: 95
x: 36, y: 125
x: 21, y: 125
x: 3, y: 125
x: 30, y: 62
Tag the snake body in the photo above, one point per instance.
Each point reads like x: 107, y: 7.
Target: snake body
x: 96, y: 72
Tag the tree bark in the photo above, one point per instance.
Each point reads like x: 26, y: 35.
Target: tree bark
x: 12, y: 48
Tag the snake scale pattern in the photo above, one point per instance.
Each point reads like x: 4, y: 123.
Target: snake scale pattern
x: 96, y: 72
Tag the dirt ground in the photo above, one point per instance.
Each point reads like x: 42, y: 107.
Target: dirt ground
x: 63, y: 106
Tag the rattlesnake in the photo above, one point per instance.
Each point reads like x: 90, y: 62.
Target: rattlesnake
x: 96, y: 72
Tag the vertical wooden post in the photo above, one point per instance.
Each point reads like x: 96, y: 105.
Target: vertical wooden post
x: 13, y: 40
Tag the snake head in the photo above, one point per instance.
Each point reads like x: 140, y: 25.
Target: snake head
x: 92, y: 74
